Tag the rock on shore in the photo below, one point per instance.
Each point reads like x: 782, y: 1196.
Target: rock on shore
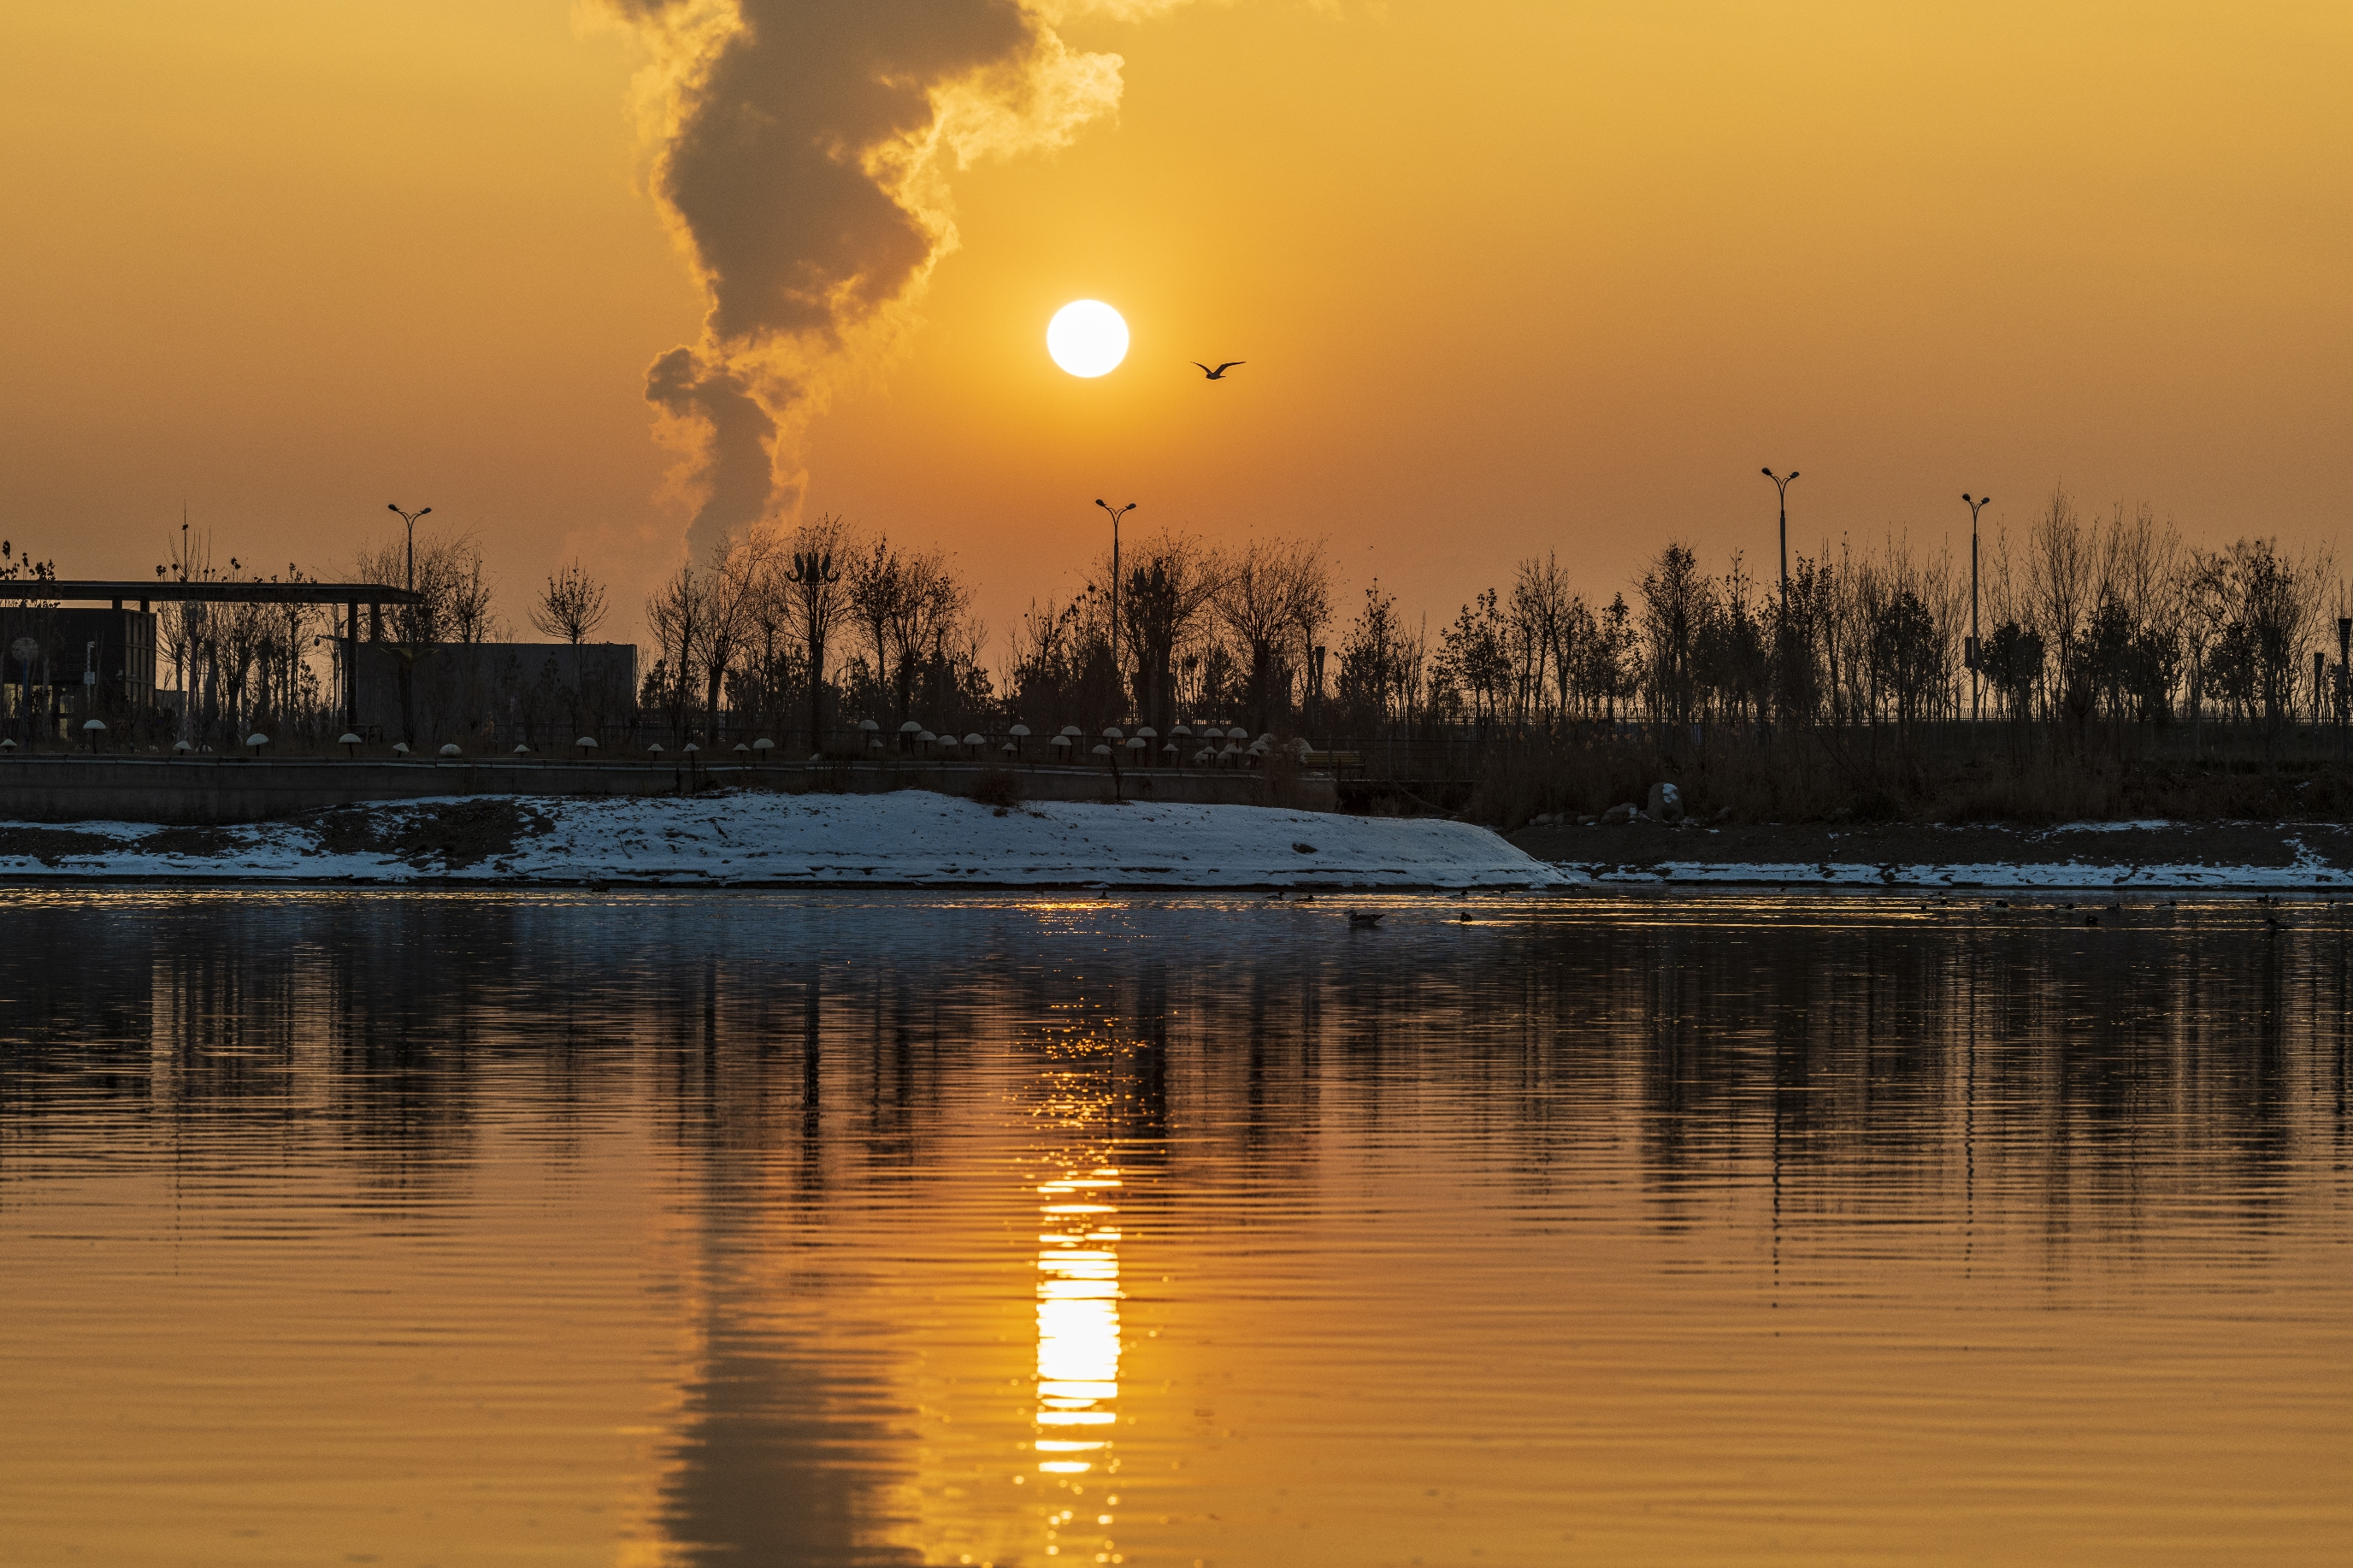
x: 753, y: 838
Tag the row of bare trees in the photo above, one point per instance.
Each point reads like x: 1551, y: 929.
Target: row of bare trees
x: 2110, y: 623
x: 2106, y: 624
x: 1202, y: 630
x: 779, y: 626
x: 835, y: 626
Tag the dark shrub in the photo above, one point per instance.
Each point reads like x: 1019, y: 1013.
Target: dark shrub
x: 1000, y: 787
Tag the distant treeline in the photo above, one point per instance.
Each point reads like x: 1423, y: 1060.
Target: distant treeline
x: 2112, y: 621
x: 2101, y: 637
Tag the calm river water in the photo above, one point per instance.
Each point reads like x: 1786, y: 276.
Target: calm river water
x: 637, y: 1229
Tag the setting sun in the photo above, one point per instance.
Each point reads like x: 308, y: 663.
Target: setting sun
x: 1087, y: 338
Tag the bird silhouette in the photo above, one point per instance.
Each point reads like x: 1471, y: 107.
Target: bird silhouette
x: 1218, y: 374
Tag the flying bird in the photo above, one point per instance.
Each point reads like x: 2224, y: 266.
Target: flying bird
x: 1218, y: 374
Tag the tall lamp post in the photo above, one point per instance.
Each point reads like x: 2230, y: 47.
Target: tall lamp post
x: 1977, y: 648
x: 405, y: 650
x: 410, y: 519
x: 1782, y: 484
x: 1117, y: 514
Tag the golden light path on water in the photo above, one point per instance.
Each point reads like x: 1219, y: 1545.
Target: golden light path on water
x: 1078, y: 1334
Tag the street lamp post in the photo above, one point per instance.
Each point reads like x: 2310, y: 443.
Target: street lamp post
x: 410, y: 519
x: 1782, y: 485
x: 406, y: 650
x: 1977, y: 648
x: 1117, y: 514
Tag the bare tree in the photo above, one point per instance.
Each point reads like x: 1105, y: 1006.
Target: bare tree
x: 458, y: 569
x: 818, y: 601
x: 737, y: 565
x: 1276, y: 593
x: 572, y: 605
x: 1171, y: 580
x: 674, y: 613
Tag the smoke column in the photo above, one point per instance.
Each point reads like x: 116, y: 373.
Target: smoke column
x: 802, y: 150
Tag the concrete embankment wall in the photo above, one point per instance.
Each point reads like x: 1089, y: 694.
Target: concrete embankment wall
x: 217, y: 789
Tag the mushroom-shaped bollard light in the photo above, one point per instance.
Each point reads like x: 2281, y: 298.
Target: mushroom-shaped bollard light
x: 255, y: 742
x: 179, y: 748
x: 451, y: 749
x: 1179, y: 732
x: 1072, y: 731
x: 655, y: 750
x: 1102, y: 749
x: 907, y: 733
x: 1238, y: 733
x: 1007, y: 749
x: 93, y: 727
x: 585, y: 745
x: 521, y: 750
x: 761, y: 748
x: 10, y: 747
x: 1137, y: 743
x: 1147, y: 734
x: 741, y: 750
x: 872, y: 730
x: 1114, y: 733
x: 1176, y: 758
x: 1061, y: 745
x: 349, y: 742
x: 976, y: 741
x: 1020, y: 732
x: 400, y: 748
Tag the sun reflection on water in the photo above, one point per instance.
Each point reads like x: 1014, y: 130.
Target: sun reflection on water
x: 1078, y: 1340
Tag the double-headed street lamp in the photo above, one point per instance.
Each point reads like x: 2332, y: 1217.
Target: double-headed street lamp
x: 1117, y: 514
x: 1977, y: 648
x: 1782, y: 485
x: 410, y: 519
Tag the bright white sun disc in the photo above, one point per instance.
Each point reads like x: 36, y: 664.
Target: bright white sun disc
x: 1087, y: 337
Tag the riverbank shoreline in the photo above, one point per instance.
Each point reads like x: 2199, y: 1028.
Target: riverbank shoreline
x: 2078, y: 855
x: 907, y: 838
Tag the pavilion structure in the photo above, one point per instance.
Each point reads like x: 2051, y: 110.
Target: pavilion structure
x: 219, y: 591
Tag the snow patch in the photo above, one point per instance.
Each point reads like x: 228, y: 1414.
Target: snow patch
x: 759, y: 838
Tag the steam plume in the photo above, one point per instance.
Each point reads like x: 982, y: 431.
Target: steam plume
x: 802, y: 152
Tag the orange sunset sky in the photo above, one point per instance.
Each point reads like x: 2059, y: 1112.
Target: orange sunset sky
x: 1508, y: 276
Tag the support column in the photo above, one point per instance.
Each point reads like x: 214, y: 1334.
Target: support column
x: 351, y: 667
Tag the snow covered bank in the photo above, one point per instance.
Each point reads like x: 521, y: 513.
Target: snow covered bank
x: 2056, y: 875
x: 2087, y: 855
x: 760, y: 838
